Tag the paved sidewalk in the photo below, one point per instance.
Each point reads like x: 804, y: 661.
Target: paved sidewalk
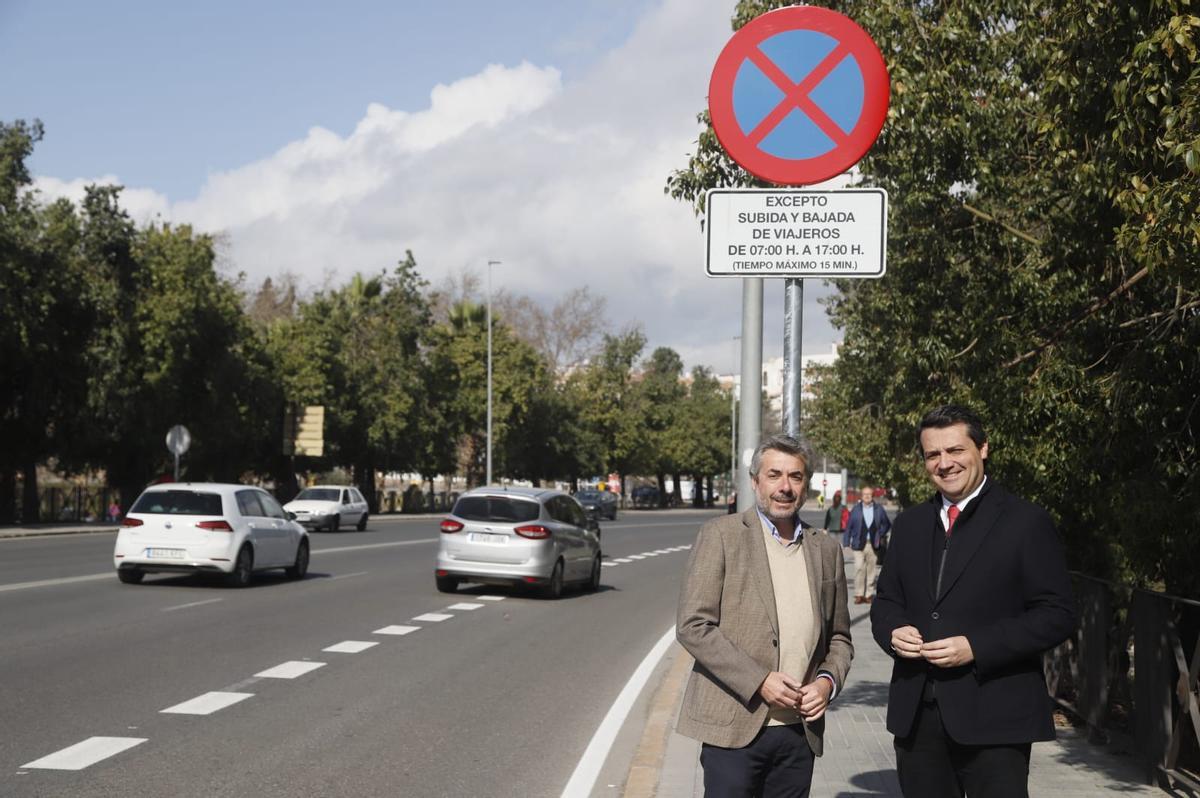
x: 859, y: 761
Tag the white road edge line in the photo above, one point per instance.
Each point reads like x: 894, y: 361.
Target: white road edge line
x: 433, y: 617
x: 584, y: 778
x: 289, y: 670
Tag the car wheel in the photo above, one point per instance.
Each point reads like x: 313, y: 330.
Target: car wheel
x: 130, y: 576
x: 446, y: 584
x: 362, y: 523
x: 298, y: 570
x: 593, y: 584
x: 243, y: 568
x: 554, y: 587
x: 334, y: 523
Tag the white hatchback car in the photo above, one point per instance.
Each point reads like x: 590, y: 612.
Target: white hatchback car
x: 208, y: 528
x: 329, y: 507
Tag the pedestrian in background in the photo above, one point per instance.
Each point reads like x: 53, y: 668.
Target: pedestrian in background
x: 763, y: 610
x: 974, y: 591
x: 867, y: 534
x: 833, y: 517
x: 114, y: 511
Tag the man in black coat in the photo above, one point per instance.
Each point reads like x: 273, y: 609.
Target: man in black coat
x: 974, y: 588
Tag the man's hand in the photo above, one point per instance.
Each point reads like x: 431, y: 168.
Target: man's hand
x: 781, y: 691
x: 906, y: 642
x: 814, y: 698
x: 949, y: 653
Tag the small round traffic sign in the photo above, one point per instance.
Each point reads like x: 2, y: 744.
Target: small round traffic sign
x: 178, y: 439
x: 798, y: 95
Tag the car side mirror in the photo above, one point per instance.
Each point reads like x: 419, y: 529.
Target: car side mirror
x: 291, y: 516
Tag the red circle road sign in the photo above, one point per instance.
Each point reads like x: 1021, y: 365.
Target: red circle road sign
x: 798, y: 95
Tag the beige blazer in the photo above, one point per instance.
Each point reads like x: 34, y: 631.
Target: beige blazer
x: 728, y: 621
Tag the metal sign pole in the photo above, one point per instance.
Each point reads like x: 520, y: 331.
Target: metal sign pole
x: 750, y: 422
x: 793, y: 325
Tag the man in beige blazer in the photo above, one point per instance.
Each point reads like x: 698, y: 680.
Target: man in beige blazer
x: 764, y: 612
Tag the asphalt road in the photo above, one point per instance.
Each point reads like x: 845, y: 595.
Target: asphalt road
x: 499, y: 698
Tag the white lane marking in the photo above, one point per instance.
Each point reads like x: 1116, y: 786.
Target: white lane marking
x: 66, y: 580
x: 207, y: 704
x: 88, y: 752
x: 649, y: 553
x: 491, y: 598
x: 464, y: 605
x: 664, y: 551
x: 584, y: 778
x: 396, y: 630
x: 347, y: 576
x: 637, y: 556
x: 622, y: 560
x: 365, y: 546
x: 609, y: 564
x: 290, y: 670
x: 350, y: 646
x: 433, y: 617
x: 193, y: 604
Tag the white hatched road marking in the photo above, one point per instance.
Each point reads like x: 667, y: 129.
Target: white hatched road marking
x: 464, y: 605
x: 396, y: 630
x: 637, y: 556
x: 609, y: 564
x: 290, y: 670
x: 88, y: 752
x: 622, y: 559
x: 207, y: 704
x: 433, y: 617
x: 350, y: 646
x: 491, y: 598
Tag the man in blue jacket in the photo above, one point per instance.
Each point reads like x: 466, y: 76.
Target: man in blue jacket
x: 867, y: 534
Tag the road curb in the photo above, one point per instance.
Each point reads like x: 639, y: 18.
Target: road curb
x: 37, y: 533
x: 645, y: 772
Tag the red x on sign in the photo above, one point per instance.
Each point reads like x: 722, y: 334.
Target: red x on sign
x: 798, y: 95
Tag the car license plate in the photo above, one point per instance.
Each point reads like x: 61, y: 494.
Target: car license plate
x: 165, y: 554
x: 484, y: 537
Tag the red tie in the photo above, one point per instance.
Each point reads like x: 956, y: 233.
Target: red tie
x: 952, y: 515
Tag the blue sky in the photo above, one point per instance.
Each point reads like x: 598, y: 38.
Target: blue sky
x: 321, y: 139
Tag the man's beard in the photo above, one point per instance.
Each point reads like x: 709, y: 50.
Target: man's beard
x: 765, y: 508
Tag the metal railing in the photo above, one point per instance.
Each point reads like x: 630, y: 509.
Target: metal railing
x: 1126, y: 671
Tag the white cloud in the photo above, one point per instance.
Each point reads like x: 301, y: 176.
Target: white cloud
x: 142, y: 204
x: 563, y: 183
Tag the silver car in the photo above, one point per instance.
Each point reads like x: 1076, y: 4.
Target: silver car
x: 518, y: 536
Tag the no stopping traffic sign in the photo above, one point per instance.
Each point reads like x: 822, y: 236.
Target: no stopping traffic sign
x: 798, y: 95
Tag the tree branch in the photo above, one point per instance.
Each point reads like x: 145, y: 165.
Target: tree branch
x: 989, y: 218
x: 1097, y: 305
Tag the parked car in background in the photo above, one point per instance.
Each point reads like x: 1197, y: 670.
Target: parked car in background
x: 518, y: 536
x: 208, y: 528
x: 329, y: 507
x: 644, y: 496
x: 602, y: 501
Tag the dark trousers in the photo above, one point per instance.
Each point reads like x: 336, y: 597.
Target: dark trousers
x: 776, y: 764
x: 931, y: 765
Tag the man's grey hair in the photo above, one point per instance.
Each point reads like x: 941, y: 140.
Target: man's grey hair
x: 782, y: 443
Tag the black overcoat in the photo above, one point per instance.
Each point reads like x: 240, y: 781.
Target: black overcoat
x: 1005, y: 587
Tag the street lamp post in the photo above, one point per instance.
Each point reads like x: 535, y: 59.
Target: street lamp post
x: 491, y: 263
x: 733, y: 392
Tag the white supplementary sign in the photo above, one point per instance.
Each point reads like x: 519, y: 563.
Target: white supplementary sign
x: 796, y: 233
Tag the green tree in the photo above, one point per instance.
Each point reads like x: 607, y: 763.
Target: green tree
x: 356, y: 351
x: 662, y: 394
x: 43, y: 327
x: 614, y: 404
